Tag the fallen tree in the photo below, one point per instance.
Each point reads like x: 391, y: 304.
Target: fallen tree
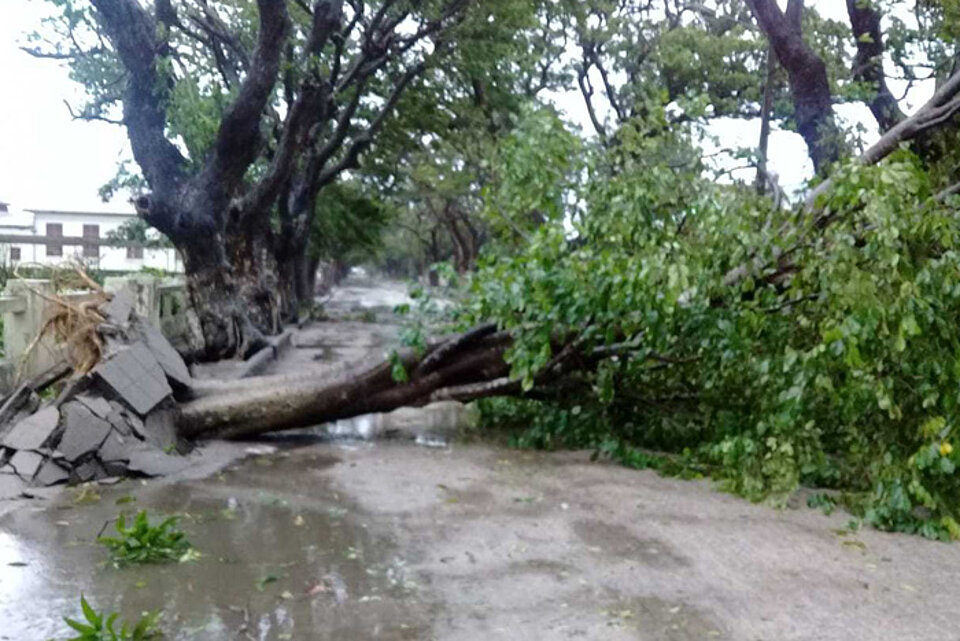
x: 462, y: 368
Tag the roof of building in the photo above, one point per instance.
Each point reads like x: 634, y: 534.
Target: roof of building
x: 59, y: 212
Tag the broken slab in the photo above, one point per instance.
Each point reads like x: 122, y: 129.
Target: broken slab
x: 116, y: 471
x: 150, y: 461
x: 51, y: 474
x: 160, y: 429
x: 118, y: 309
x: 117, y: 448
x: 136, y: 377
x: 135, y: 424
x: 26, y: 463
x: 169, y: 358
x: 83, y: 431
x: 11, y: 486
x: 87, y: 471
x: 96, y: 404
x: 32, y: 432
x: 119, y: 423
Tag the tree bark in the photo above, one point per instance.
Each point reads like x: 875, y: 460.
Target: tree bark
x: 766, y: 114
x: 868, y: 66
x: 812, y: 99
x: 235, y: 305
x: 273, y: 404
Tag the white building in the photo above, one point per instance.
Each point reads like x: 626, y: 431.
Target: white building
x: 78, y: 225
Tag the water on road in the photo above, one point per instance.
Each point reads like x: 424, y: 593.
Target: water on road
x: 355, y: 540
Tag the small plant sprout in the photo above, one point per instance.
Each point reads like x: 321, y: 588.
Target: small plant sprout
x: 102, y: 626
x: 141, y: 542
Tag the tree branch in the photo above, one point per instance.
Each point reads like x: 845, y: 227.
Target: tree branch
x: 941, y: 108
x: 133, y: 33
x: 311, y: 106
x: 813, y: 102
x: 868, y: 65
x: 237, y: 143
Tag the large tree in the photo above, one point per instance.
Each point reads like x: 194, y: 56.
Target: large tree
x: 238, y: 114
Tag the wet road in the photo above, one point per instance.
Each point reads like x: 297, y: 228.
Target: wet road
x: 390, y: 540
x: 475, y: 543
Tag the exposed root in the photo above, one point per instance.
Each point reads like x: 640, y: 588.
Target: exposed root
x: 74, y: 325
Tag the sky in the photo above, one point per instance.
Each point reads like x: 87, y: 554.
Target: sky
x: 50, y: 161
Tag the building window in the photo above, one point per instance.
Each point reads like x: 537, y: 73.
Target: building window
x: 91, y: 232
x: 134, y: 252
x: 54, y: 230
x: 14, y: 254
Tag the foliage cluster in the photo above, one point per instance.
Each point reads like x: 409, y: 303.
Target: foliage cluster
x: 837, y: 367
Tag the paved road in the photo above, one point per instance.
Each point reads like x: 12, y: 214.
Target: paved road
x: 470, y: 542
x: 476, y: 543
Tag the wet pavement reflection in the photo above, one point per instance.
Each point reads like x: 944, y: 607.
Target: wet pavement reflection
x: 283, y: 557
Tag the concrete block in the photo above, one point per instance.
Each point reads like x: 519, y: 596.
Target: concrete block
x: 117, y: 448
x: 96, y: 404
x: 26, y: 463
x: 160, y: 428
x: 170, y: 360
x: 119, y: 308
x: 144, y: 290
x: 51, y: 474
x: 136, y: 376
x: 83, y: 431
x: 149, y: 461
x: 32, y: 432
x: 11, y: 486
x: 87, y: 471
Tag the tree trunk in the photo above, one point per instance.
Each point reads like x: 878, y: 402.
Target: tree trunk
x: 763, y: 176
x: 807, y: 72
x: 232, y: 294
x: 865, y: 21
x: 307, y: 280
x: 463, y: 368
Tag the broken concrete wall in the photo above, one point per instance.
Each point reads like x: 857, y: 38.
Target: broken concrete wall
x: 118, y: 420
x: 27, y: 307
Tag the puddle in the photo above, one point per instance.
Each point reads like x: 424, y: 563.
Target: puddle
x: 619, y: 541
x: 283, y: 557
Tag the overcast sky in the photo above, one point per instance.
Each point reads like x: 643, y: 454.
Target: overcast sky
x: 47, y: 160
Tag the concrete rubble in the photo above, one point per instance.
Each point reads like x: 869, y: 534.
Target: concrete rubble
x: 119, y: 420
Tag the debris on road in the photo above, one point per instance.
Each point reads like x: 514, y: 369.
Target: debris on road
x: 116, y: 420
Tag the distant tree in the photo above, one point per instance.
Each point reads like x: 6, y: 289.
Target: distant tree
x: 138, y: 231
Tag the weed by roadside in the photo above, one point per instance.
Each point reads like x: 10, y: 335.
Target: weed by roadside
x: 141, y: 542
x: 102, y: 626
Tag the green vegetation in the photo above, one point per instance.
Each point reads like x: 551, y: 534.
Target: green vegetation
x: 842, y: 375
x: 101, y: 626
x: 141, y: 542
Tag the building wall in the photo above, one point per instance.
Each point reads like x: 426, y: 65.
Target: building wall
x: 72, y: 223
